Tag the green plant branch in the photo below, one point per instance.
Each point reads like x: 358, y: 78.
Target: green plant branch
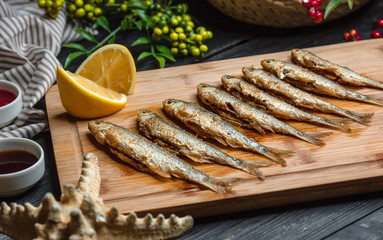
x: 112, y: 34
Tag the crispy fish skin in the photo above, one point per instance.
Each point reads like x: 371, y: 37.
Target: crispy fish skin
x: 251, y: 117
x: 275, y: 106
x: 170, y: 136
x: 331, y: 70
x: 125, y: 144
x: 297, y: 97
x: 310, y: 81
x: 208, y: 124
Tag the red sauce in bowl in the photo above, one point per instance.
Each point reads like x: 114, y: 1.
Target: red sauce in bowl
x: 15, y: 160
x: 6, y: 97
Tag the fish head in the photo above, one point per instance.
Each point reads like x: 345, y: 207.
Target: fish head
x: 276, y: 67
x: 268, y: 64
x: 298, y: 55
x: 144, y: 114
x: 203, y: 87
x: 171, y: 105
x: 253, y: 73
x: 296, y: 51
x: 230, y: 82
x: 98, y: 129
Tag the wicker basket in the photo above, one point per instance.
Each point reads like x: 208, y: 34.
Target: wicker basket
x: 277, y: 13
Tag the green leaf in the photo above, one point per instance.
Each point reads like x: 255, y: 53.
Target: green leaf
x: 331, y: 6
x: 144, y: 55
x: 141, y: 40
x: 165, y: 52
x: 139, y: 24
x: 350, y: 3
x: 72, y: 57
x: 75, y: 46
x: 168, y: 56
x: 137, y: 5
x: 86, y: 35
x: 127, y: 24
x: 103, y: 22
x: 143, y: 16
x: 161, y: 61
x: 95, y: 25
x: 166, y: 37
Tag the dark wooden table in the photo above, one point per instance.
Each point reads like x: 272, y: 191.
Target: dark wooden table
x: 351, y: 217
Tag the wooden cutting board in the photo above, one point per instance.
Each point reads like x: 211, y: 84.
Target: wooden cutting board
x: 350, y: 163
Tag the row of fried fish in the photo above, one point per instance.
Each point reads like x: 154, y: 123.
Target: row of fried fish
x: 241, y: 106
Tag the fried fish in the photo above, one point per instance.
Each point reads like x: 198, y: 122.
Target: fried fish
x: 211, y: 125
x: 275, y: 106
x: 331, y: 70
x: 297, y: 97
x: 310, y: 81
x: 147, y: 156
x: 232, y: 108
x: 181, y: 142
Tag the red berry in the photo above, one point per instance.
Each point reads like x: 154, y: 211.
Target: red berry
x: 346, y: 36
x: 376, y: 34
x: 312, y: 12
x: 319, y: 2
x: 319, y: 15
x: 314, y: 3
x: 358, y: 38
x: 380, y: 23
x: 318, y: 18
x: 306, y: 3
x: 353, y: 33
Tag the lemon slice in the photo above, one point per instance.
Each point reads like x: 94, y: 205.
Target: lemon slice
x: 86, y: 99
x: 111, y: 66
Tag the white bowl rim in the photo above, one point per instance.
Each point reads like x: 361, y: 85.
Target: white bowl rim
x: 25, y: 141
x: 19, y: 94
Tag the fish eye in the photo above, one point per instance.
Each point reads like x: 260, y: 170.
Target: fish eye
x: 268, y: 61
x: 170, y: 101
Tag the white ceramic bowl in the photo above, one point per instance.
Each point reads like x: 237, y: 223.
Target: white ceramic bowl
x: 12, y: 184
x: 9, y: 112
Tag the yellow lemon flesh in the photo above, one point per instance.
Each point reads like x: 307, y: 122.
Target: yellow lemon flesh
x: 86, y: 99
x: 111, y: 66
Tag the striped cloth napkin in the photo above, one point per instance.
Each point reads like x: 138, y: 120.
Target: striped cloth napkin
x: 29, y: 44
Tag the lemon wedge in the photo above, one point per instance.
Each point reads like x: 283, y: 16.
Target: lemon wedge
x: 84, y: 98
x: 112, y: 67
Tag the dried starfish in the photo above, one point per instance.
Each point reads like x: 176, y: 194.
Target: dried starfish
x: 81, y: 214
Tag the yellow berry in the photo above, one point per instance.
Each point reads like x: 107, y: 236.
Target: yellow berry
x: 48, y: 4
x: 97, y: 12
x: 88, y: 7
x: 72, y: 8
x: 89, y: 15
x: 124, y: 7
x: 181, y: 36
x: 79, y: 3
x: 80, y: 13
x: 42, y: 3
x: 157, y: 31
x: 165, y: 30
x: 174, y: 36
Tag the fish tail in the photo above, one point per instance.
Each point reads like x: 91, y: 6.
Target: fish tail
x: 274, y: 154
x: 220, y: 184
x: 314, y: 137
x: 362, y: 118
x: 275, y: 157
x: 252, y: 167
x: 376, y: 99
x: 339, y: 123
x: 281, y: 152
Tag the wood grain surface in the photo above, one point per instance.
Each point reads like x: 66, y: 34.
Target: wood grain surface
x: 350, y: 163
